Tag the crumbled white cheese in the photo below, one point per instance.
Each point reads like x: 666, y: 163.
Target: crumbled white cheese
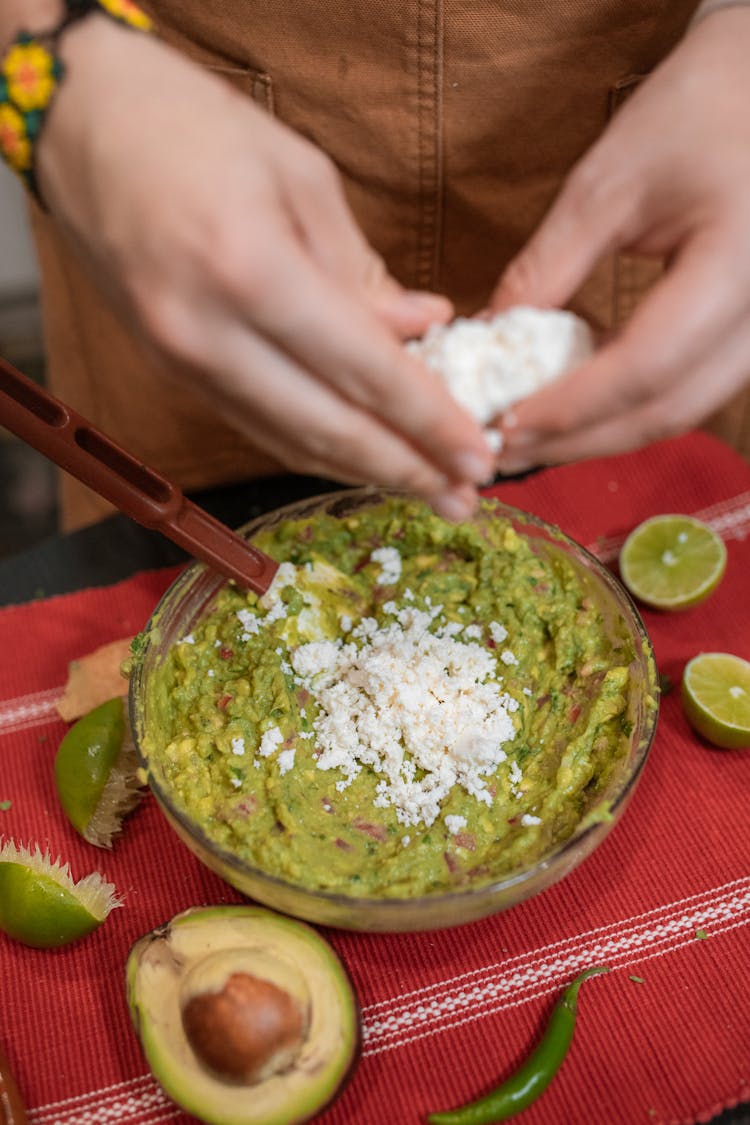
x: 390, y: 561
x: 345, y: 622
x: 286, y: 761
x: 276, y: 613
x: 188, y: 639
x: 454, y: 824
x: 210, y: 672
x: 286, y: 575
x: 406, y: 840
x: 450, y: 629
x: 516, y: 777
x: 490, y: 364
x: 249, y: 622
x: 527, y: 820
x: 473, y: 632
x: 508, y: 657
x: 235, y: 781
x: 238, y: 746
x: 498, y: 632
x: 405, y: 701
x: 272, y: 738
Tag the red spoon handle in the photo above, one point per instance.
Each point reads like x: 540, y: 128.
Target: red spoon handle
x: 73, y: 443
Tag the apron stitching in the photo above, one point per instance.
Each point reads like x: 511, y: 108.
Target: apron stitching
x: 439, y: 147
x: 429, y: 140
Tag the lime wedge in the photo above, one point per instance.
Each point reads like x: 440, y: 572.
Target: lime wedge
x: 716, y: 698
x: 41, y: 905
x: 672, y: 562
x: 95, y: 773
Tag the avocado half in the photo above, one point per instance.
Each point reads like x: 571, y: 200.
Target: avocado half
x: 245, y: 1017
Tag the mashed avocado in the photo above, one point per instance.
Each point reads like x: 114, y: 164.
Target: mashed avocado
x: 413, y: 707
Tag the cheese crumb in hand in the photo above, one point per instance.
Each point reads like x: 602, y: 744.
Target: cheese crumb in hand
x: 489, y: 365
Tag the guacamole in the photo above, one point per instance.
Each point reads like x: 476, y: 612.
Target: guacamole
x: 413, y: 707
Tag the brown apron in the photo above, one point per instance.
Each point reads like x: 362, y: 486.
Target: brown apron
x: 452, y: 124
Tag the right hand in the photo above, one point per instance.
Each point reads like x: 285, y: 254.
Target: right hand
x: 225, y: 238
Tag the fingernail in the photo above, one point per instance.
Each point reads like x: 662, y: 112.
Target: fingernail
x: 432, y: 303
x: 454, y: 507
x: 473, y: 467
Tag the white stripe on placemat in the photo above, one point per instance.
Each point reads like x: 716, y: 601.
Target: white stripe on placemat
x: 507, y: 984
x: 138, y: 1099
x: 447, y: 1004
x: 729, y: 518
x: 29, y: 710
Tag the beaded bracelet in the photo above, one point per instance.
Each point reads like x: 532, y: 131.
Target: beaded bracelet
x: 30, y: 74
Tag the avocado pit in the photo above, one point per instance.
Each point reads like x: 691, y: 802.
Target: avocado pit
x: 243, y: 1026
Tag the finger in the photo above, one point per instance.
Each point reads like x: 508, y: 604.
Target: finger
x: 409, y: 312
x: 327, y: 228
x: 660, y: 343
x: 703, y: 390
x: 586, y: 221
x: 330, y: 332
x: 307, y: 426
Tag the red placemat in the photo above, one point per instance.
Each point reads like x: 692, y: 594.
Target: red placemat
x: 445, y: 1014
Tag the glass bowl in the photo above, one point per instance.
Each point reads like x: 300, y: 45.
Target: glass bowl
x: 192, y: 595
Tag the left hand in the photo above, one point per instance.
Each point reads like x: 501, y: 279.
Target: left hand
x: 669, y: 177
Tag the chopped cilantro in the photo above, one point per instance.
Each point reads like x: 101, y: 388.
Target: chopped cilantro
x: 636, y: 980
x: 4, y: 806
x: 701, y: 935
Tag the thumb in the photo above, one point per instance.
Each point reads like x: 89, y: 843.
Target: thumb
x: 581, y: 226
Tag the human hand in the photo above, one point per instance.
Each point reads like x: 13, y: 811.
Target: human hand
x: 226, y: 240
x: 668, y: 177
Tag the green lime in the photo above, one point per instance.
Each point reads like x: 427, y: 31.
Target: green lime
x: 672, y: 561
x: 716, y: 698
x: 95, y: 773
x: 41, y: 905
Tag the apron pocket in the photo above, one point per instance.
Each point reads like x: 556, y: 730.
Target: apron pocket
x: 256, y: 84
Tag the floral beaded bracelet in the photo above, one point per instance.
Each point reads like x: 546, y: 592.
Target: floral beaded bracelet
x: 30, y: 74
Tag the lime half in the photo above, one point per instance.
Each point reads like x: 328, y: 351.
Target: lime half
x: 672, y: 561
x: 716, y: 698
x: 41, y: 905
x: 95, y: 773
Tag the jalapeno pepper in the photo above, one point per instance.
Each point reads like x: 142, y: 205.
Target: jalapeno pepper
x: 534, y: 1076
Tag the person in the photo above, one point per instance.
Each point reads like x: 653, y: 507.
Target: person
x: 243, y: 219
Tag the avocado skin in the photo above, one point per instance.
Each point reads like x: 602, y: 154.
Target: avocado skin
x: 288, y: 1099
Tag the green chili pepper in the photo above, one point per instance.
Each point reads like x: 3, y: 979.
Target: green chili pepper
x: 534, y: 1076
